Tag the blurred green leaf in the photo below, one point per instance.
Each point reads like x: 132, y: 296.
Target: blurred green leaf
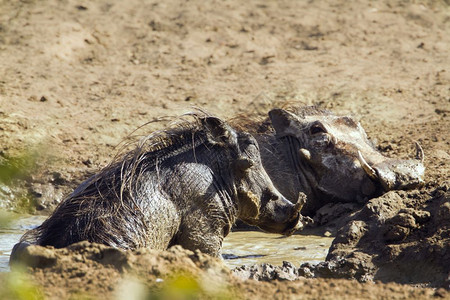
x: 182, y: 287
x: 17, y: 285
x: 186, y: 287
x: 16, y: 167
x: 15, y: 172
x: 6, y: 218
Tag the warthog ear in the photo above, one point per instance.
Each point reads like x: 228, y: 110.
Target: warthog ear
x: 248, y: 206
x: 282, y: 121
x: 217, y: 131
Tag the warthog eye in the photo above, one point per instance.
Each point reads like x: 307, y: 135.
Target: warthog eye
x: 243, y: 164
x: 317, y: 128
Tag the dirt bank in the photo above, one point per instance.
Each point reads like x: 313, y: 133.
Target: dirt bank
x: 99, y: 272
x: 77, y: 77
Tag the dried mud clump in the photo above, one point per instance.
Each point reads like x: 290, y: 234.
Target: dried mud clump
x: 389, y: 241
x: 95, y: 270
x: 386, y: 240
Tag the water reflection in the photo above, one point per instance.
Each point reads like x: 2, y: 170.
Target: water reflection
x: 11, y: 233
x: 253, y: 247
x: 239, y: 248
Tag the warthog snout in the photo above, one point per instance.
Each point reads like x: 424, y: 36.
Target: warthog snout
x: 279, y: 215
x: 394, y: 174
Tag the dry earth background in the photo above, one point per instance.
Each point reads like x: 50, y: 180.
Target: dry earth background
x: 77, y: 77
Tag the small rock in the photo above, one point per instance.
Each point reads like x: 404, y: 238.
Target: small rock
x: 351, y: 233
x: 396, y: 233
x: 81, y: 7
x: 444, y: 211
x: 300, y: 248
x: 114, y: 257
x: 287, y: 272
x: 441, y: 293
x: 36, y: 257
x: 305, y: 271
x: 403, y: 219
x: 421, y: 216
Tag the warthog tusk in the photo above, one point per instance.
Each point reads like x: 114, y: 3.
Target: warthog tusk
x: 305, y: 153
x: 368, y: 169
x: 419, y: 152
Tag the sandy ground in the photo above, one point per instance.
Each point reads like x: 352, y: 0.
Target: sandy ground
x: 77, y: 77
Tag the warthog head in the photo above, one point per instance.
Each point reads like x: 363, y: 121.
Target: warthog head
x: 259, y: 202
x: 333, y: 160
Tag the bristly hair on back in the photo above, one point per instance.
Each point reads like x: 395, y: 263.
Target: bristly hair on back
x: 260, y: 124
x: 117, y: 180
x: 303, y: 111
x: 183, y: 133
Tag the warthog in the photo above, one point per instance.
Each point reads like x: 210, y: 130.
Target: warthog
x: 182, y: 186
x: 330, y: 159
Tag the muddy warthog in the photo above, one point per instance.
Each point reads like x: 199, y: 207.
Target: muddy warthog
x: 182, y: 186
x: 329, y: 158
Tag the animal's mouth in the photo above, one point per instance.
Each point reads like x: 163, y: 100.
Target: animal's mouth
x: 293, y: 225
x: 289, y: 228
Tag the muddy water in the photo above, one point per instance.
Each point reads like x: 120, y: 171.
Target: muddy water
x: 10, y: 234
x: 239, y: 248
x: 253, y: 247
